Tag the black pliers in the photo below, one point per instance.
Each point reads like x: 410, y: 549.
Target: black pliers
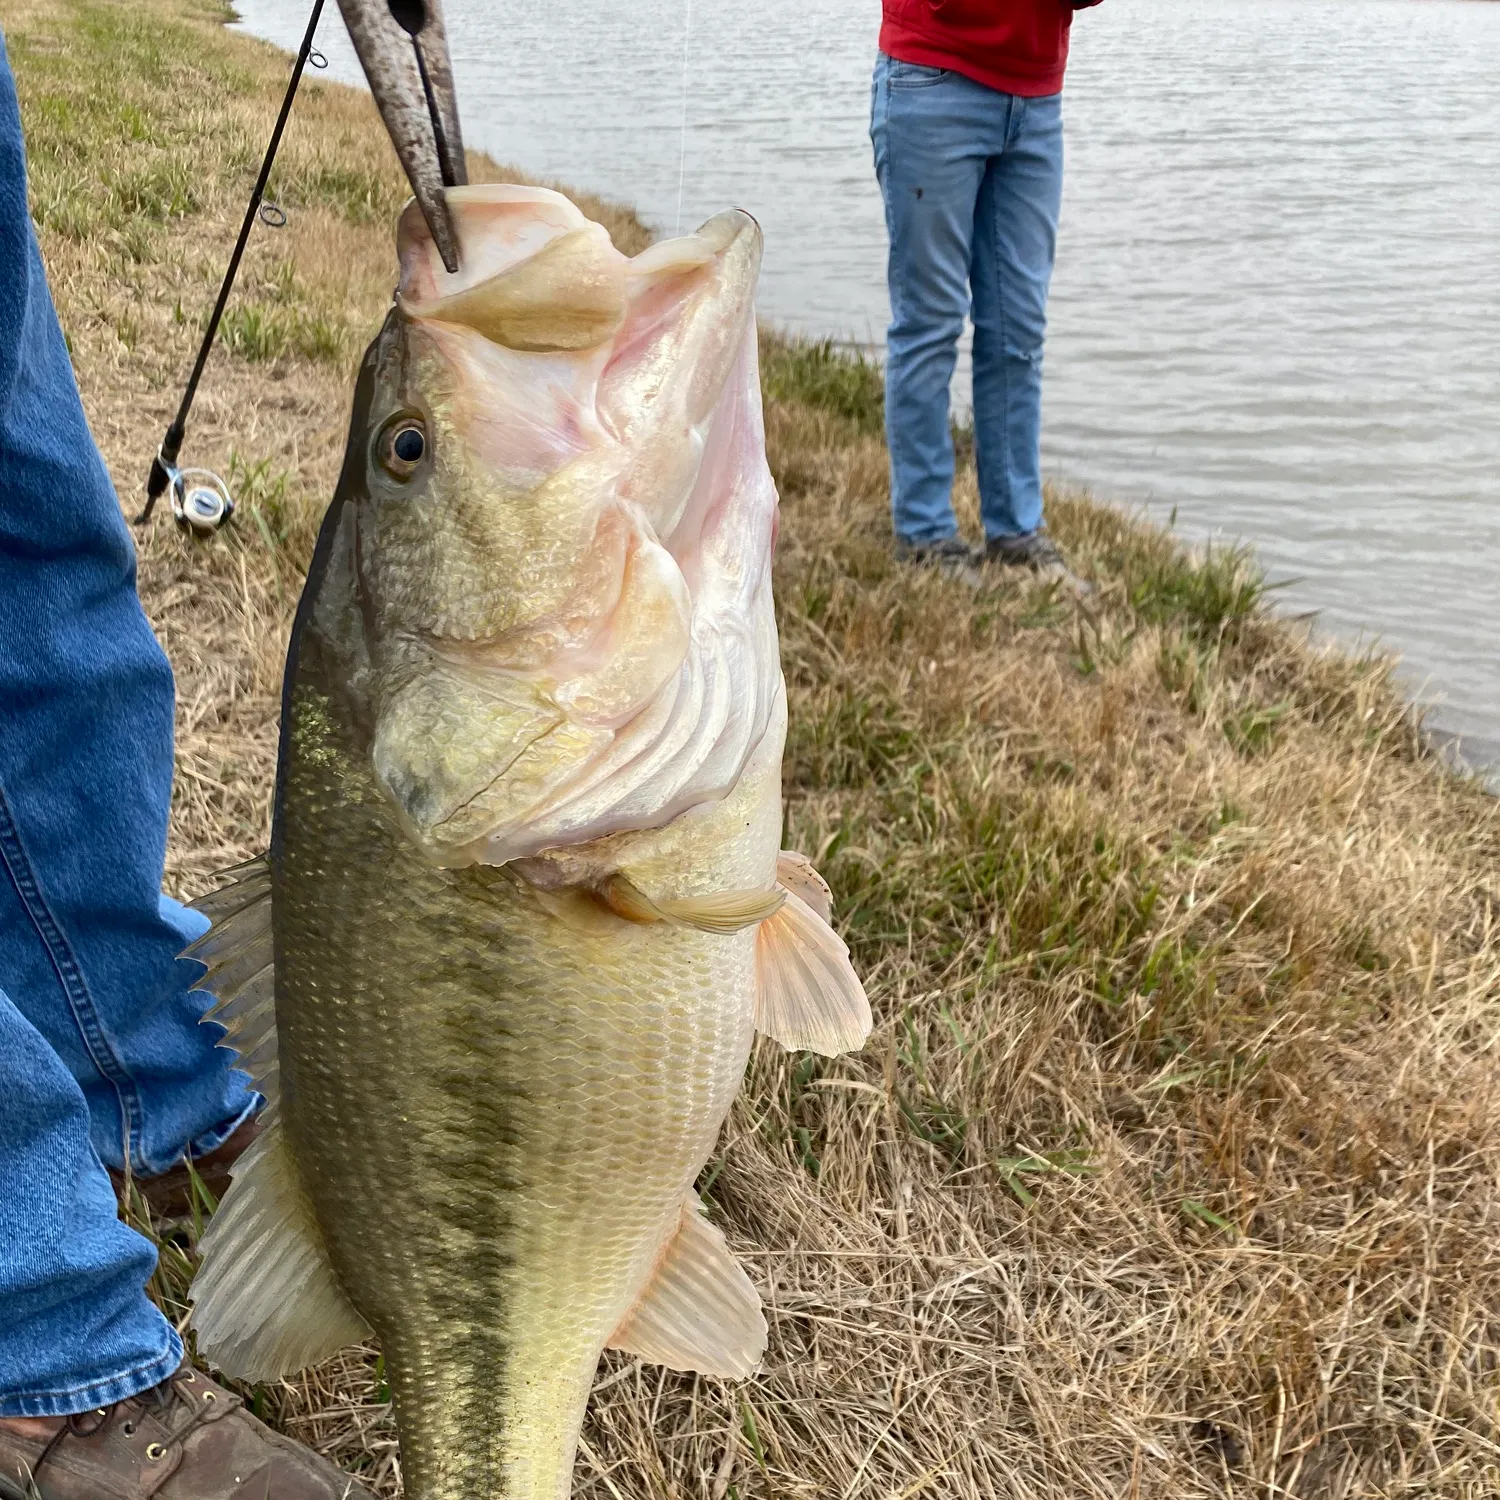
x: 404, y: 49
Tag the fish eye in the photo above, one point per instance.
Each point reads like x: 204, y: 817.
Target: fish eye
x: 402, y: 446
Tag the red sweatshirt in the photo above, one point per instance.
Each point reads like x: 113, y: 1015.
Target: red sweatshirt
x: 1016, y: 46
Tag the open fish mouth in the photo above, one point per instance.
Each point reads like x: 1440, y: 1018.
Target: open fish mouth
x: 606, y: 655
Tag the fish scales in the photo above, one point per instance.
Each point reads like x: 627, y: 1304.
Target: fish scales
x: 550, y: 1080
x: 527, y: 903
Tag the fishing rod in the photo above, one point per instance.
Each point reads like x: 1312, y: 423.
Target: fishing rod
x: 403, y: 48
x: 200, y: 499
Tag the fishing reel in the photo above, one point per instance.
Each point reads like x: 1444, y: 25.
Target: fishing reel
x: 201, y: 502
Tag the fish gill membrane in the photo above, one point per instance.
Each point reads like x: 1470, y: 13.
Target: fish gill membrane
x: 524, y: 907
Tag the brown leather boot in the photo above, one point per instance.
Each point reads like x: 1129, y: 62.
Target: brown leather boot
x: 188, y: 1439
x: 170, y: 1196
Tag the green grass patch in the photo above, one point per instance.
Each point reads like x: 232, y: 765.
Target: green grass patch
x: 262, y: 334
x: 1208, y: 595
x: 162, y: 190
x: 358, y: 195
x: 827, y: 377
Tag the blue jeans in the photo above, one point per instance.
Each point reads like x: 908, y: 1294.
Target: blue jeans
x: 101, y: 1047
x: 972, y: 181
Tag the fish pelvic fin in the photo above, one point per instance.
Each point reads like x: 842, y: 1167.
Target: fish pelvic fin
x: 238, y: 953
x: 699, y: 1312
x: 266, y: 1300
x: 720, y: 911
x: 808, y: 996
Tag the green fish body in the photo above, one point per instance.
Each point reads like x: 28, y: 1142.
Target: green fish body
x: 525, y: 906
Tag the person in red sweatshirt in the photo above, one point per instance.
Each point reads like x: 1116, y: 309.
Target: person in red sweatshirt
x: 966, y: 121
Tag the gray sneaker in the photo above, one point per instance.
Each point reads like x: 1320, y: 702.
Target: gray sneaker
x: 952, y: 556
x: 1036, y: 551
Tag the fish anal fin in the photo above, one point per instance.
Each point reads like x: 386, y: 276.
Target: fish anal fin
x: 266, y: 1301
x: 808, y: 996
x: 699, y: 1312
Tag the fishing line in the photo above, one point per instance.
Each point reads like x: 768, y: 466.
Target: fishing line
x: 204, y: 505
x: 687, y: 37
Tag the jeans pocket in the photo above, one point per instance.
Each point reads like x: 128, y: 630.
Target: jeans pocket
x: 910, y: 75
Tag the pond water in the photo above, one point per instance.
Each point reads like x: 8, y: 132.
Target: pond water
x: 1276, y: 311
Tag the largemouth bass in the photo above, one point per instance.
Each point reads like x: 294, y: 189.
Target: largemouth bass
x: 525, y: 904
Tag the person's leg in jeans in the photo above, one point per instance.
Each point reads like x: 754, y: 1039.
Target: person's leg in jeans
x: 1014, y: 241
x: 77, y: 1332
x: 101, y: 1050
x: 934, y: 133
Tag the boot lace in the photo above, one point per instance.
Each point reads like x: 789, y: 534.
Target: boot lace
x: 171, y: 1394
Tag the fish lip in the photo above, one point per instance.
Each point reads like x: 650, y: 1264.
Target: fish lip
x: 505, y: 306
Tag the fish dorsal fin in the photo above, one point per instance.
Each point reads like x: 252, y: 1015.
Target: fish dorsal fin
x: 796, y: 874
x: 699, y: 1312
x: 808, y: 996
x: 238, y: 953
x: 247, y: 884
x: 266, y: 1301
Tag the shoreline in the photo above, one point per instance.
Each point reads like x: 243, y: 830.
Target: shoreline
x: 1295, y: 492
x: 1173, y: 1166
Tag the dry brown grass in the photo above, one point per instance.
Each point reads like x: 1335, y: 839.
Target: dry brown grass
x: 1171, y: 1169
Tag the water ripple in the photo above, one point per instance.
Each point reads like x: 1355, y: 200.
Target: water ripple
x: 1276, y: 306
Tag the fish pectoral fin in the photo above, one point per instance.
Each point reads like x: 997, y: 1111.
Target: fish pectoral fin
x: 239, y: 956
x: 808, y: 996
x: 796, y: 874
x: 699, y: 1312
x: 720, y: 912
x: 266, y: 1301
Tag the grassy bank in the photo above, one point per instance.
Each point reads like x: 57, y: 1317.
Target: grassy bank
x: 1173, y: 1167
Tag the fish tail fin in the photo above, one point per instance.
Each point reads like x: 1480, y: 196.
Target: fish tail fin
x: 266, y: 1302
